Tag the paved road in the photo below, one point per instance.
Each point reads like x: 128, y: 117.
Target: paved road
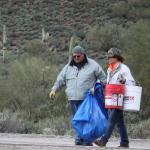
x: 44, y: 142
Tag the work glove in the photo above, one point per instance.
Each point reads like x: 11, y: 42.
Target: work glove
x: 52, y: 94
x: 121, y: 78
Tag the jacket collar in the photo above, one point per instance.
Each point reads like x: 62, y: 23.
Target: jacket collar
x: 114, y: 67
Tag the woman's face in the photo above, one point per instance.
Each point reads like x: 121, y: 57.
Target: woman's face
x: 112, y: 60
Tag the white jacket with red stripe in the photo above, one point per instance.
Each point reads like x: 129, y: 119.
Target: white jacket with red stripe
x: 113, y: 77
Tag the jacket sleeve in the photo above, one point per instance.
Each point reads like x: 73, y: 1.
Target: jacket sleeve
x: 128, y: 76
x: 100, y: 74
x: 61, y: 80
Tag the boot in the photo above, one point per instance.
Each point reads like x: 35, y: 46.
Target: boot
x: 124, y: 146
x: 100, y: 142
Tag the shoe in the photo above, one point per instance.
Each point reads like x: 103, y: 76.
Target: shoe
x: 124, y: 146
x: 79, y: 142
x: 100, y: 142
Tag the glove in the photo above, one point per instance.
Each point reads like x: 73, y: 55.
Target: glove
x: 92, y: 90
x: 121, y: 79
x: 52, y: 94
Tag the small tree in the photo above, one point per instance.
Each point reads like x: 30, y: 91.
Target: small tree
x: 136, y: 43
x: 103, y: 37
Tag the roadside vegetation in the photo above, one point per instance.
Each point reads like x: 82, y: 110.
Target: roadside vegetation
x: 28, y: 72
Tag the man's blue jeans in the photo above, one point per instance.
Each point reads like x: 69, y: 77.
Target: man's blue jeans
x: 75, y: 104
x: 116, y: 117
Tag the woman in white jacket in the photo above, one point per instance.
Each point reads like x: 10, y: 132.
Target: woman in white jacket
x: 117, y: 73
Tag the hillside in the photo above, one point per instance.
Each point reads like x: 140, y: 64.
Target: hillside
x: 25, y: 19
x: 30, y: 63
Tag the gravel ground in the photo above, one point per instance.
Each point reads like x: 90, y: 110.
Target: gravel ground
x: 50, y: 142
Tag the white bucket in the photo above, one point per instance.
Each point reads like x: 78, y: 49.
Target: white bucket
x: 132, y: 98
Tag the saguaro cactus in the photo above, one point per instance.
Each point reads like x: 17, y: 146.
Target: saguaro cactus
x: 4, y: 42
x: 73, y: 42
x: 4, y: 35
x: 45, y: 36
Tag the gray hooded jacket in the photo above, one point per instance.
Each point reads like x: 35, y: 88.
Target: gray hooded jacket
x: 78, y: 81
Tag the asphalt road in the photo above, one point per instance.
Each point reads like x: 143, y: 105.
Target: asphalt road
x: 50, y: 142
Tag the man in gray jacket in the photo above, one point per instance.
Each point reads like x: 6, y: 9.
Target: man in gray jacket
x: 79, y: 75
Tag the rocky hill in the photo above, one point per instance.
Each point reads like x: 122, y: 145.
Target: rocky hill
x: 30, y: 66
x: 25, y: 19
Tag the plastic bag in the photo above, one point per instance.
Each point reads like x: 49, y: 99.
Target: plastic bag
x: 90, y: 121
x: 99, y: 95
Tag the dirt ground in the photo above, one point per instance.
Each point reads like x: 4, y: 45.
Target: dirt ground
x: 48, y: 142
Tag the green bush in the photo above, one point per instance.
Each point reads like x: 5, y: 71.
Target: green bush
x: 10, y: 122
x: 146, y: 13
x: 120, y: 9
x: 56, y: 126
x: 35, y: 47
x: 136, y: 45
x: 26, y: 88
x: 103, y: 37
x: 140, y: 129
x: 143, y: 13
x: 139, y: 3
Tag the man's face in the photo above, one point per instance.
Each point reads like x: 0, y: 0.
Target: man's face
x: 112, y: 60
x: 78, y: 57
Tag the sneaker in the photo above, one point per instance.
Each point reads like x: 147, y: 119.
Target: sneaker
x: 124, y: 146
x: 79, y: 142
x: 100, y: 142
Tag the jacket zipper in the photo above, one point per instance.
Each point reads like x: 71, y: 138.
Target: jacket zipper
x: 76, y: 82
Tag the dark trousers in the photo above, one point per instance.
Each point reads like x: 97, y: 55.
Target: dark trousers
x: 74, y: 105
x: 116, y: 117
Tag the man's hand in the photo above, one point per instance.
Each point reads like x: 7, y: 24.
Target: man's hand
x: 52, y: 94
x: 92, y: 90
x: 121, y: 79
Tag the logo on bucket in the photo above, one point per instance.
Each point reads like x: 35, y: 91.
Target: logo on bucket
x: 114, y: 96
x: 132, y: 98
x: 129, y: 99
x: 114, y: 100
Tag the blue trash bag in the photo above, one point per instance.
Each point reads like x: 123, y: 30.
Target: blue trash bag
x: 99, y: 95
x: 90, y: 121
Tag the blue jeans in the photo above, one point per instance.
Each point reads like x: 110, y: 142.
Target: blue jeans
x: 116, y: 117
x: 74, y: 105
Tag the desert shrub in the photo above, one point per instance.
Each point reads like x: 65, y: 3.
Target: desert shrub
x: 146, y: 13
x: 26, y: 89
x: 56, y: 126
x: 27, y: 85
x: 49, y: 126
x: 138, y: 9
x: 143, y: 13
x: 140, y: 129
x: 120, y: 9
x: 103, y: 37
x: 35, y: 47
x: 10, y: 122
x: 139, y: 3
x: 136, y: 45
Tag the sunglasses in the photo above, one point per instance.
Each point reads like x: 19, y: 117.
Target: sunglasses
x: 76, y: 56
